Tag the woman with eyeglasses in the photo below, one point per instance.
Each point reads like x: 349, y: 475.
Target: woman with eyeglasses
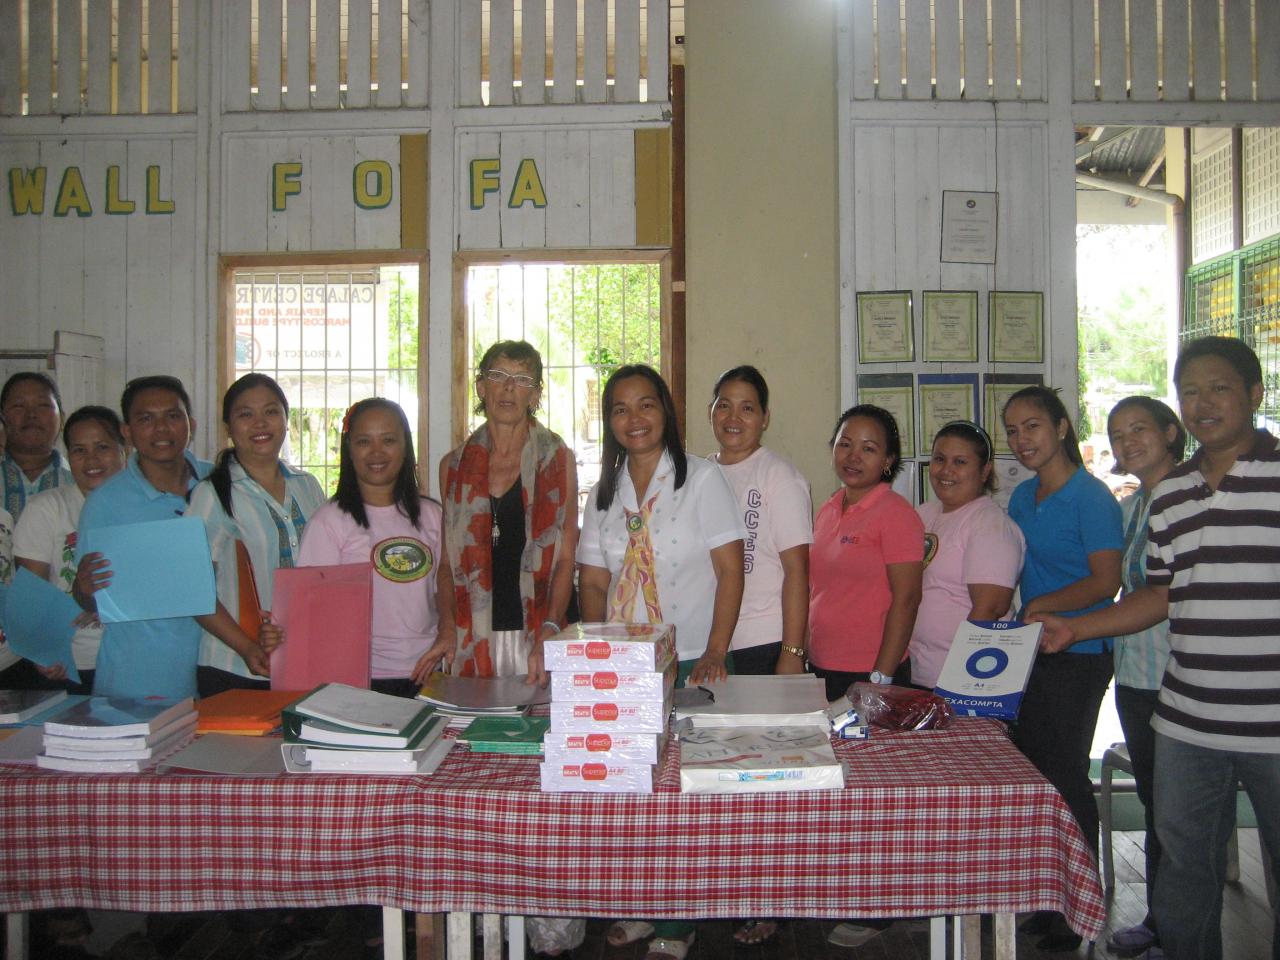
x: 972, y: 550
x: 510, y: 528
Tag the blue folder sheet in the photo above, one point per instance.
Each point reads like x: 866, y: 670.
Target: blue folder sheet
x: 159, y: 569
x: 39, y: 622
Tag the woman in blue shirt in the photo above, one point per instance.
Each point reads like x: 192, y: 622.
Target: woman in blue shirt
x: 1071, y: 523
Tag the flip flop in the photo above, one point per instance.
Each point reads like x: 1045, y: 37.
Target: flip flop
x: 623, y: 932
x: 755, y: 932
x: 663, y: 948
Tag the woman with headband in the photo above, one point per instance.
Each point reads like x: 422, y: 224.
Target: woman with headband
x: 972, y: 553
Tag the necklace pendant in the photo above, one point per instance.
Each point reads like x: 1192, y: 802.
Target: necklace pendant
x: 495, y: 536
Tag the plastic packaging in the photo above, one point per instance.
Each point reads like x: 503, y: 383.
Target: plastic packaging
x: 899, y: 708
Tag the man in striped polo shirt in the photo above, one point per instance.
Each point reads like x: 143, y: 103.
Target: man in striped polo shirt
x: 1213, y: 568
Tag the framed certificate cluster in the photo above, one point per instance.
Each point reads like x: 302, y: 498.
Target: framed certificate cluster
x: 950, y: 333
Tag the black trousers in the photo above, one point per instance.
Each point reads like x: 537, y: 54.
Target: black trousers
x: 1055, y: 728
x: 1136, y: 707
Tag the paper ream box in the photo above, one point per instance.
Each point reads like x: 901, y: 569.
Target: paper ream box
x: 611, y: 646
x: 597, y: 777
x: 604, y: 747
x: 758, y: 760
x: 586, y: 686
x: 626, y: 716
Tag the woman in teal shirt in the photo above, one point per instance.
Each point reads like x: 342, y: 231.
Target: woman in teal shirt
x: 1071, y: 523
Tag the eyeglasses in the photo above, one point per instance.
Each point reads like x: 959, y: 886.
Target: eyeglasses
x: 519, y: 379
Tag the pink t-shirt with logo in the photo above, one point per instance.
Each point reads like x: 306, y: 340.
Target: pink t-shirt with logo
x: 977, y: 543
x: 849, y: 594
x: 404, y: 559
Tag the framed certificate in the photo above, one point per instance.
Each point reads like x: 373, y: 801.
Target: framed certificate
x: 945, y: 397
x: 951, y: 325
x: 997, y: 389
x: 1016, y: 328
x: 968, y: 227
x: 926, y: 491
x: 884, y: 327
x: 894, y: 392
x: 1008, y: 473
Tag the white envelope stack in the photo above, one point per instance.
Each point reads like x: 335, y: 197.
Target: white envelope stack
x: 611, y: 689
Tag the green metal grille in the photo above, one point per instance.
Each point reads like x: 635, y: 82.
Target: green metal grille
x: 1238, y: 295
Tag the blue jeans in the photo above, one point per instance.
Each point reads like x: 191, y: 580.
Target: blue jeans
x: 1195, y: 798
x: 1135, y: 708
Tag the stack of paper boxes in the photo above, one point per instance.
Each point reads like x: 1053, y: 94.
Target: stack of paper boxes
x: 611, y: 689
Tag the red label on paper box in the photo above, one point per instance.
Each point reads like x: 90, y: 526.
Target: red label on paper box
x: 574, y: 649
x: 604, y: 711
x: 594, y: 771
x: 597, y: 742
x: 599, y: 650
x: 569, y: 770
x: 604, y: 681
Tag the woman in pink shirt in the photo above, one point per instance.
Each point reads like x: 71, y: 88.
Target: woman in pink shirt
x: 866, y: 560
x: 973, y: 551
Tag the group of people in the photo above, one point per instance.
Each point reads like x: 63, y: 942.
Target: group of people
x: 728, y: 550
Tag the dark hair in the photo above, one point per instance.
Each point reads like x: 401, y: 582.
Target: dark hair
x: 347, y: 496
x: 1047, y: 399
x: 749, y: 375
x: 220, y: 475
x: 1235, y: 352
x: 977, y: 438
x: 517, y: 351
x: 32, y: 376
x: 103, y: 415
x: 614, y: 456
x: 893, y: 442
x: 157, y: 381
x: 1163, y: 417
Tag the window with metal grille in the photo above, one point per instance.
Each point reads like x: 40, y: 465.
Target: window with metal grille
x: 329, y: 336
x: 585, y: 319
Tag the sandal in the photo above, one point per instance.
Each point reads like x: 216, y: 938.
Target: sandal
x: 665, y: 949
x: 623, y: 932
x: 755, y: 932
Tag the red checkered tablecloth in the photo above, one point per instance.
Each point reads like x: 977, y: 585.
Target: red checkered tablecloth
x: 941, y: 822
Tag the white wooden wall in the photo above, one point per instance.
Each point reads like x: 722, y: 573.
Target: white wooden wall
x: 323, y: 215
x: 589, y: 177
x: 129, y: 279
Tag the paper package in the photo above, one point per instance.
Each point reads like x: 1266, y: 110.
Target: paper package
x: 758, y: 760
x: 604, y: 747
x: 626, y: 716
x: 611, y: 646
x: 597, y: 777
x: 588, y: 685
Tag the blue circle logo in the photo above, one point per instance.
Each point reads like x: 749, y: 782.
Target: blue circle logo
x: 986, y: 663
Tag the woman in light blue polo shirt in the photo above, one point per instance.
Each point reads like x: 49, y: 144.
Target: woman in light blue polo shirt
x: 254, y: 498
x: 1148, y: 441
x: 1071, y: 523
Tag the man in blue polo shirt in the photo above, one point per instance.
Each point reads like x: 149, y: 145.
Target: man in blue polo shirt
x: 144, y: 657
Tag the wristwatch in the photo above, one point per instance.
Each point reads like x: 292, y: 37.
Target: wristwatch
x: 794, y: 650
x: 881, y: 678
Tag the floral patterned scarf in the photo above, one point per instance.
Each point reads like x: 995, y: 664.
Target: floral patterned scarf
x: 468, y: 524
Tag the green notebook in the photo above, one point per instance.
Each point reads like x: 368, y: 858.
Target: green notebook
x: 514, y: 735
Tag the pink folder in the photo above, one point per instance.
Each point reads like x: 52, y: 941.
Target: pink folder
x: 326, y: 613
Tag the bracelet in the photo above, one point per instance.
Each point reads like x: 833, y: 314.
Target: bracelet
x: 551, y: 623
x: 794, y: 650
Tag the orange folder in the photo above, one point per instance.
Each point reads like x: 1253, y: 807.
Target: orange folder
x: 249, y: 712
x: 326, y: 613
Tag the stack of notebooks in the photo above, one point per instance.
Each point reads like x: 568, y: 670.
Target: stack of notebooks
x: 116, y: 735
x: 343, y: 729
x: 244, y: 713
x: 463, y: 699
x: 19, y: 706
x: 758, y: 734
x: 611, y: 691
x: 515, y: 736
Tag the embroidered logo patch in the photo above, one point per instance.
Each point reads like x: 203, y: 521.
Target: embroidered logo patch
x: 402, y: 559
x: 930, y: 547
